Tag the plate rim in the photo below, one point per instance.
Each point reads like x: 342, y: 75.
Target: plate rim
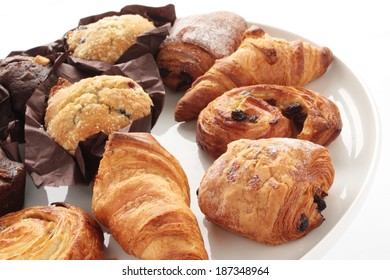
x: 325, y: 244
x: 329, y: 240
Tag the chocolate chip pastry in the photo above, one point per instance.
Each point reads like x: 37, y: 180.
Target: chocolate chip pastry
x: 269, y: 190
x: 194, y: 43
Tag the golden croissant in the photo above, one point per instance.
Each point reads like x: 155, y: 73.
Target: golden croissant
x: 141, y: 194
x: 265, y: 111
x: 57, y: 232
x: 269, y: 190
x: 260, y: 59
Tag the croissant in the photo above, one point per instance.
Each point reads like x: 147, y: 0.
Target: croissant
x: 57, y: 232
x: 265, y: 111
x: 260, y: 59
x: 141, y: 194
x: 269, y: 190
x: 194, y: 43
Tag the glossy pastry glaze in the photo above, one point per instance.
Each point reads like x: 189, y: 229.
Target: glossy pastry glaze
x: 265, y: 111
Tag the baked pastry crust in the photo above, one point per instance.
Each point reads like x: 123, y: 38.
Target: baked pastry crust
x: 101, y: 103
x: 260, y: 59
x: 108, y: 38
x: 141, y: 194
x: 265, y: 111
x: 269, y: 190
x: 57, y: 232
x: 194, y: 43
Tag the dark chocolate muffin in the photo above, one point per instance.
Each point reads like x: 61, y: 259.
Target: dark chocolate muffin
x: 19, y: 77
x: 12, y: 184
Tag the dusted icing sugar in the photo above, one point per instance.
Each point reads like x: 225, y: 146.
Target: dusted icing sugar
x: 219, y: 32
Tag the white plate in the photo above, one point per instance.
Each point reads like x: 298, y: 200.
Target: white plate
x: 354, y: 153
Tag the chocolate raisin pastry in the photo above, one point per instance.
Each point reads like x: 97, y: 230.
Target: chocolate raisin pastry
x: 108, y: 38
x: 60, y: 231
x: 19, y: 77
x: 194, y: 43
x: 260, y: 59
x: 12, y: 184
x: 101, y: 103
x: 269, y: 190
x: 141, y: 194
x: 265, y: 111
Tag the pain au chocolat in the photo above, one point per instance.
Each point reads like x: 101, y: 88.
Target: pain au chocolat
x: 269, y: 190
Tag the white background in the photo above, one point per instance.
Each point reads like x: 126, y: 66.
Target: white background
x: 357, y: 32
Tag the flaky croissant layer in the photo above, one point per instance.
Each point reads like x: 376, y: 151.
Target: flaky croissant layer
x: 57, y: 232
x: 260, y: 59
x: 269, y: 190
x: 141, y: 194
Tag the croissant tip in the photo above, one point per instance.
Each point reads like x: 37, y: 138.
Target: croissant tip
x: 254, y: 31
x: 182, y: 115
x: 327, y: 56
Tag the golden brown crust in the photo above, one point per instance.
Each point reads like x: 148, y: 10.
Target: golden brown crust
x: 101, y: 103
x: 57, y: 232
x: 260, y: 59
x: 195, y: 43
x: 108, y: 38
x: 142, y: 194
x: 269, y: 190
x: 265, y: 111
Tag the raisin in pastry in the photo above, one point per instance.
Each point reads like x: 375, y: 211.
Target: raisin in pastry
x: 265, y: 111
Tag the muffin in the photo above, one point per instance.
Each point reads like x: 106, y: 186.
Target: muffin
x: 97, y: 104
x: 19, y: 77
x: 12, y: 184
x: 108, y: 38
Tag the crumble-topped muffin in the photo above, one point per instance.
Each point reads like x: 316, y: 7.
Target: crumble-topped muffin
x: 101, y: 103
x: 108, y: 38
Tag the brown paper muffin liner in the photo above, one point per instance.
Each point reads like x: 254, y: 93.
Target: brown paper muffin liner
x: 15, y: 90
x: 51, y: 165
x: 12, y: 121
